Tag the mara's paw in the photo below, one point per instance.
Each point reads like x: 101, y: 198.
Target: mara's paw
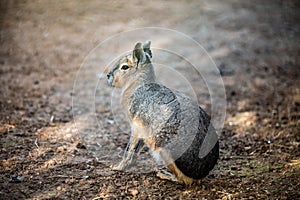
x: 118, y: 167
x: 165, y: 175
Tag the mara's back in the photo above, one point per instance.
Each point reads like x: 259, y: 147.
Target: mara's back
x: 176, y: 123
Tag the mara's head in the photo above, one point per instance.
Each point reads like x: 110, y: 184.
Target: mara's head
x: 129, y: 67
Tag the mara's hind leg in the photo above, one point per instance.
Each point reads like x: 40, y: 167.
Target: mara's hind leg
x: 176, y: 175
x: 179, y: 175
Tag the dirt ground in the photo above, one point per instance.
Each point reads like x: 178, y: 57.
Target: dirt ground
x: 255, y: 45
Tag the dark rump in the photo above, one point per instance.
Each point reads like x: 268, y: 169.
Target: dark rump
x: 190, y: 163
x: 194, y: 167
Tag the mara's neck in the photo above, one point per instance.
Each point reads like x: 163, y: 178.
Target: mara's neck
x: 144, y: 76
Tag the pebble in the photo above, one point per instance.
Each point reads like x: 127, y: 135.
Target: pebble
x: 60, y: 149
x: 16, y: 179
x: 133, y: 192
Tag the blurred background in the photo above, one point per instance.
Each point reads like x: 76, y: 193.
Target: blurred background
x: 254, y: 44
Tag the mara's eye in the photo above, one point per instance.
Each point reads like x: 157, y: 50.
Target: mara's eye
x: 124, y: 67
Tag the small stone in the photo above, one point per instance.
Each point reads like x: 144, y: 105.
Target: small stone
x: 50, y: 163
x: 79, y: 145
x: 109, y: 121
x: 69, y: 181
x: 133, y: 192
x: 60, y: 149
x: 16, y: 179
x: 247, y: 148
x: 52, y: 119
x: 104, y: 140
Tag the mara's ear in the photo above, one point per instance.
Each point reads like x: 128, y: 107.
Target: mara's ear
x: 138, y: 53
x: 146, y: 48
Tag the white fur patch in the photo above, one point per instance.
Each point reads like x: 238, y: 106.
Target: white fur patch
x: 157, y: 157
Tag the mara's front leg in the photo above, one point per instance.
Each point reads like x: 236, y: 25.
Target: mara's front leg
x: 133, y: 147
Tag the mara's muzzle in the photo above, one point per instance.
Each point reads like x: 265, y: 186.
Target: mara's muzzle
x: 110, y: 78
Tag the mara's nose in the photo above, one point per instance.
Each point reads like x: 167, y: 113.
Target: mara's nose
x: 110, y: 78
x: 108, y: 75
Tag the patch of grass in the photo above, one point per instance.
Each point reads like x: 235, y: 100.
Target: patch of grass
x: 9, y: 144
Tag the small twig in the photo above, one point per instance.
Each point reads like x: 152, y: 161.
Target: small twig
x: 96, y: 198
x: 289, y: 113
x: 63, y: 176
x: 36, y: 143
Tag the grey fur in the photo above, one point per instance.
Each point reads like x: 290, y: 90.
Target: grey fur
x: 159, y: 109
